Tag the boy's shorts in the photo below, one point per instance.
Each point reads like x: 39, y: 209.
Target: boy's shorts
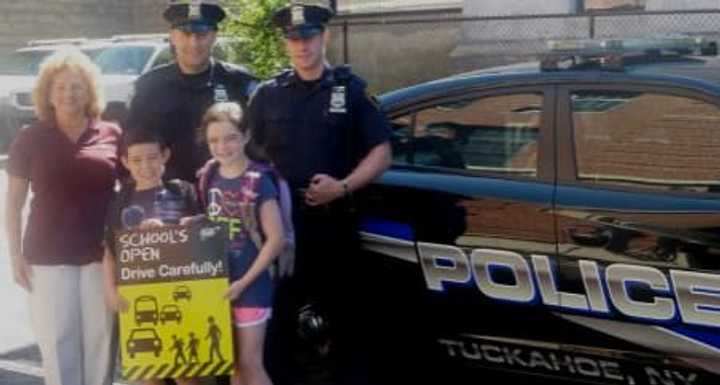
x: 250, y: 316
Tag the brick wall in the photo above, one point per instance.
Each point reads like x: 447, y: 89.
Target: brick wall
x: 25, y: 20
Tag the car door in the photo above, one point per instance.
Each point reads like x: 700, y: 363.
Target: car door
x: 453, y: 223
x: 637, y: 224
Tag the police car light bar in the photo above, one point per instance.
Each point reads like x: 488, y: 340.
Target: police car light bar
x: 609, y: 52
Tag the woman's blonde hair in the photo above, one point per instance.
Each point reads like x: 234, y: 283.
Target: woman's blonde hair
x: 67, y: 59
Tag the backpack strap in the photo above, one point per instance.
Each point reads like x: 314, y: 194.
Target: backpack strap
x: 204, y: 175
x: 284, y: 198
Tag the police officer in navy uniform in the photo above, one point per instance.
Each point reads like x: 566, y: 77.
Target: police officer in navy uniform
x: 328, y: 138
x: 172, y: 98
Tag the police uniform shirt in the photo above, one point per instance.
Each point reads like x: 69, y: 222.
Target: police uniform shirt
x: 326, y: 126
x: 173, y: 103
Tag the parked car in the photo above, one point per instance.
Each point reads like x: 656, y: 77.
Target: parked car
x: 18, y: 70
x: 122, y: 59
x: 557, y: 225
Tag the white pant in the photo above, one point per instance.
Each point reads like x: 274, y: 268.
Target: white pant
x: 72, y: 325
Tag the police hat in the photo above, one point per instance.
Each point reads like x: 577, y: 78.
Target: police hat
x: 196, y: 16
x: 302, y: 21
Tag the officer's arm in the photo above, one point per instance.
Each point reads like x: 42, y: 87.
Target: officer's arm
x: 373, y: 130
x: 371, y: 166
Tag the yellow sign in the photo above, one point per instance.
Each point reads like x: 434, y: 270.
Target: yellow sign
x: 177, y: 325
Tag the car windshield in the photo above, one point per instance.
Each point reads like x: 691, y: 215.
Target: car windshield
x: 22, y: 62
x: 123, y: 60
x: 28, y: 62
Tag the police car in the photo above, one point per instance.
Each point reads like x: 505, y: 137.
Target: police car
x: 556, y: 222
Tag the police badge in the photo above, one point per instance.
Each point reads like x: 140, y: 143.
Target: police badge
x: 298, y: 15
x: 338, y: 102
x: 220, y: 94
x: 194, y: 9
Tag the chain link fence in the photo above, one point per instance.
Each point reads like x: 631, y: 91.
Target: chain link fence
x: 393, y: 50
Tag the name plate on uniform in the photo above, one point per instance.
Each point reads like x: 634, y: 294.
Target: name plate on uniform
x: 178, y: 323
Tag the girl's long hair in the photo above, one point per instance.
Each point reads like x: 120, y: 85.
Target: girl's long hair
x: 234, y: 114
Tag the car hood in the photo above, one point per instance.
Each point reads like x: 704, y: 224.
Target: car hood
x: 13, y: 82
x: 118, y: 87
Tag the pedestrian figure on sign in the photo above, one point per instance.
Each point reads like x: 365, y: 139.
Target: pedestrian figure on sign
x: 214, y: 334
x: 178, y: 348
x: 192, y: 348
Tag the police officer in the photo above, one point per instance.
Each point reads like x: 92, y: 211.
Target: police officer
x: 328, y: 138
x: 173, y: 98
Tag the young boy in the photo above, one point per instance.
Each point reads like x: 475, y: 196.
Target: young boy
x: 144, y: 200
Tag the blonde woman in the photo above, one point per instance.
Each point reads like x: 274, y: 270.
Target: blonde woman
x: 68, y: 159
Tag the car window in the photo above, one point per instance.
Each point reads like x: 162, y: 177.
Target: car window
x: 123, y: 60
x: 164, y: 57
x: 22, y: 63
x: 646, y: 139
x: 496, y: 134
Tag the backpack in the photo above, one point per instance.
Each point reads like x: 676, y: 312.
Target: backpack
x: 249, y: 193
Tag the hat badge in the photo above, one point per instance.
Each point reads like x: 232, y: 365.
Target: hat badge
x: 194, y: 9
x: 298, y: 15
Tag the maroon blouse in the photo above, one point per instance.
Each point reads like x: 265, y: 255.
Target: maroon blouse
x: 72, y: 185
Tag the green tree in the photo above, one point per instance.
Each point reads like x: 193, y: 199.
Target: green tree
x: 257, y: 42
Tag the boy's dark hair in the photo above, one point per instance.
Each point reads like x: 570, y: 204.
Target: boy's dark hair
x: 234, y: 113
x: 138, y: 136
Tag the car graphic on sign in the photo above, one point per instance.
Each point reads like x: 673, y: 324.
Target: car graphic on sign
x: 144, y: 340
x: 182, y: 292
x: 170, y: 313
x: 146, y: 310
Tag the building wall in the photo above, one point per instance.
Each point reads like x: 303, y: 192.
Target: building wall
x: 21, y: 21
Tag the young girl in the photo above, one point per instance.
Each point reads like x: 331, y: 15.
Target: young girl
x: 243, y: 194
x: 145, y: 201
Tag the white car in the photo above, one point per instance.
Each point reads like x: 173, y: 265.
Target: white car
x: 18, y: 71
x: 122, y: 59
